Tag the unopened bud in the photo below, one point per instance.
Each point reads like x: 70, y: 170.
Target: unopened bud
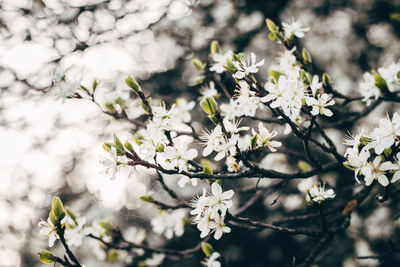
x: 46, y: 256
x: 326, y: 79
x: 380, y: 82
x: 271, y: 25
x: 207, y: 249
x: 214, y: 47
x: 110, y: 107
x: 133, y: 84
x: 306, y: 56
x: 209, y: 105
x: 200, y: 66
x: 207, y: 170
x: 58, y: 208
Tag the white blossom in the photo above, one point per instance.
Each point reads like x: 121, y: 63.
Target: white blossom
x: 376, y: 170
x: 212, y: 260
x: 319, y: 105
x: 209, y: 91
x: 391, y: 76
x: 74, y: 233
x: 48, y: 229
x: 110, y: 165
x: 178, y: 155
x: 245, y: 68
x: 318, y: 194
x: 169, y: 223
x: 368, y: 89
x: 220, y: 61
x: 294, y: 28
x: 264, y: 137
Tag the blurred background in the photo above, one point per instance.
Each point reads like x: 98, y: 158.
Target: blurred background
x: 51, y: 146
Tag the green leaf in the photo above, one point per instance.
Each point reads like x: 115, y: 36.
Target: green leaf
x: 133, y: 84
x: 46, y: 256
x: 271, y: 25
x: 214, y: 47
x: 207, y: 249
x: 58, y: 208
x: 200, y: 66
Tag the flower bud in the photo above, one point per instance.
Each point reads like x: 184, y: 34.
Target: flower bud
x: 128, y: 146
x: 94, y: 85
x: 303, y: 77
x: 119, y: 101
x: 207, y: 169
x: 306, y: 56
x: 207, y: 249
x: 160, y: 148
x: 110, y: 107
x: 46, y: 256
x: 209, y: 105
x: 200, y: 66
x: 58, y: 209
x: 214, y: 47
x: 326, y: 79
x: 271, y: 36
x: 133, y: 84
x: 271, y: 25
x: 380, y: 82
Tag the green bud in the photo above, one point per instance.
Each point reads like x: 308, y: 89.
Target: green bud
x: 326, y: 79
x: 120, y: 102
x: 271, y: 25
x: 271, y: 36
x: 46, y: 256
x: 200, y: 66
x: 380, y: 82
x: 94, y: 85
x: 304, y: 166
x: 71, y: 214
x: 118, y: 142
x: 109, y: 107
x: 253, y: 142
x: 306, y: 56
x: 303, y: 77
x: 128, y: 146
x: 214, y: 47
x: 207, y: 249
x: 160, y: 148
x: 229, y: 66
x: 209, y: 105
x: 138, y: 139
x: 147, y: 198
x: 58, y: 208
x: 133, y: 84
x: 207, y: 169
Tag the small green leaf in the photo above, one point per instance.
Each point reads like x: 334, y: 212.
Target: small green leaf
x: 214, y: 47
x: 271, y: 25
x: 133, y: 84
x: 58, y: 208
x: 46, y: 256
x: 200, y: 66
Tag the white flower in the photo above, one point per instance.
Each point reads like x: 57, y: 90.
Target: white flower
x: 357, y: 160
x: 155, y: 260
x: 75, y: 233
x: 66, y: 89
x: 186, y: 180
x: 385, y: 135
x: 47, y: 228
x: 245, y: 68
x: 232, y: 127
x: 169, y: 223
x: 274, y: 92
x: 220, y: 201
x: 315, y: 85
x: 178, y: 155
x: 212, y: 140
x: 182, y: 108
x: 233, y: 166
x: 376, y: 170
x: 319, y: 105
x: 396, y: 169
x: 220, y: 61
x: 111, y: 165
x: 368, y: 89
x: 212, y: 260
x: 318, y: 193
x: 264, y: 137
x: 220, y: 228
x: 294, y: 28
x: 391, y: 75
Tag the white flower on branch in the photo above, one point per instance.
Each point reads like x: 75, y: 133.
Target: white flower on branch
x: 368, y: 89
x: 391, y: 75
x: 178, y: 155
x: 209, y: 91
x: 294, y: 28
x: 264, y: 138
x: 319, y: 105
x: 210, y: 210
x: 220, y: 61
x: 48, y: 229
x: 318, y: 194
x: 74, y: 233
x: 376, y: 170
x: 245, y: 68
x: 169, y: 223
x: 110, y: 165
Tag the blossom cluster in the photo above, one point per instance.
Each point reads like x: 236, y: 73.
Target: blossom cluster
x: 209, y: 211
x: 374, y: 155
x: 387, y: 78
